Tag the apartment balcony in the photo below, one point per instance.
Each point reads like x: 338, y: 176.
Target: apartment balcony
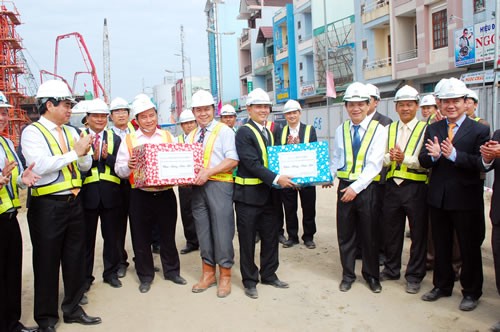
x: 305, y: 43
x: 246, y: 70
x: 373, y: 9
x: 282, y: 53
x: 378, y: 68
x: 263, y: 65
x: 407, y: 55
x: 245, y: 40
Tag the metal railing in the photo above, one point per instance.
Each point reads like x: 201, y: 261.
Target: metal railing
x: 407, y: 55
x: 247, y: 69
x: 372, y: 5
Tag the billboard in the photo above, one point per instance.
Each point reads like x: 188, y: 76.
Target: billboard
x: 474, y: 44
x: 465, y: 46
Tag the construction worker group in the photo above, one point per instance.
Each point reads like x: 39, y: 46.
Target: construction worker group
x: 428, y: 171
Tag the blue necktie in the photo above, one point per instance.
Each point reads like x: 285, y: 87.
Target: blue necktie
x: 202, y: 135
x: 356, y: 140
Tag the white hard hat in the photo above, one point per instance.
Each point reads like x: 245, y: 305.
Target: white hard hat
x: 81, y: 107
x: 291, y: 105
x: 428, y: 100
x: 97, y: 106
x: 142, y: 103
x: 202, y: 98
x: 54, y: 89
x: 3, y: 101
x: 119, y: 103
x: 473, y: 95
x: 356, y: 92
x: 227, y: 109
x: 258, y: 97
x: 186, y: 116
x: 452, y: 88
x: 438, y: 86
x: 406, y: 93
x: 373, y: 91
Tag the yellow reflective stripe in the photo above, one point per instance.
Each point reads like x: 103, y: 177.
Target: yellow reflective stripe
x: 283, y: 135
x: 477, y: 119
x: 180, y: 138
x: 207, y: 155
x: 247, y: 181
x: 349, y: 173
x: 9, y: 200
x: 131, y: 128
x: 307, y: 134
x: 262, y: 145
x: 68, y: 181
x: 107, y: 176
x: 402, y: 171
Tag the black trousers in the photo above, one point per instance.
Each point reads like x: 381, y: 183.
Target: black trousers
x: 356, y: 221
x: 122, y: 222
x: 146, y: 209
x: 289, y: 198
x: 111, y: 252
x: 185, y: 198
x: 249, y: 220
x: 406, y: 200
x: 57, y: 229
x: 11, y: 261
x: 495, y: 247
x: 470, y: 237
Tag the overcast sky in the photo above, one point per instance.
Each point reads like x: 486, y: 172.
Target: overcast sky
x: 144, y: 35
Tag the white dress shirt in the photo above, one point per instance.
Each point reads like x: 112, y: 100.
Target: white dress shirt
x: 374, y: 155
x: 36, y: 150
x: 224, y: 146
x: 120, y: 132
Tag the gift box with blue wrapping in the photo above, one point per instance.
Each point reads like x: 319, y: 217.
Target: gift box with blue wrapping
x: 307, y: 163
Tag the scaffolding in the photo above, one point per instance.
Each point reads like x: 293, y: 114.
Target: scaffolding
x: 11, y: 70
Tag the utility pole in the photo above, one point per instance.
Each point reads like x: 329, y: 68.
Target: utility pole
x: 495, y: 68
x: 107, y: 63
x: 183, y: 70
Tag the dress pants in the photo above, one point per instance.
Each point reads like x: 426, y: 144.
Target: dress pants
x: 57, y: 229
x: 356, y: 220
x: 122, y: 222
x: 146, y: 209
x: 110, y: 253
x: 11, y: 261
x: 185, y: 198
x: 409, y: 199
x: 214, y: 218
x: 249, y: 220
x: 308, y: 204
x: 469, y: 234
x: 495, y: 247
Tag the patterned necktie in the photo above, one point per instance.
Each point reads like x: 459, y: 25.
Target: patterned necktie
x: 202, y: 135
x: 264, y: 133
x: 356, y: 140
x: 451, y: 133
x: 97, y: 143
x: 64, y: 149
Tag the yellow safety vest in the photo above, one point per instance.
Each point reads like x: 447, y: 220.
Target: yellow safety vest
x: 180, y: 138
x: 66, y: 179
x: 131, y: 128
x: 307, y: 134
x: 106, y: 176
x: 353, y: 168
x: 477, y: 119
x: 9, y: 200
x: 402, y: 171
x: 131, y: 140
x: 430, y: 118
x: 262, y: 145
x: 209, y: 147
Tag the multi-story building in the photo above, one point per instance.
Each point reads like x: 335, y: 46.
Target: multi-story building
x: 304, y: 49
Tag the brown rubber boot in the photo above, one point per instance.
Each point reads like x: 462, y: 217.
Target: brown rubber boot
x: 224, y: 287
x: 207, y: 279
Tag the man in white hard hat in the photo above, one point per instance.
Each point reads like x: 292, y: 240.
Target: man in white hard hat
x: 357, y: 161
x: 405, y: 193
x: 120, y: 115
x: 188, y: 124
x: 228, y: 116
x: 148, y: 207
x: 101, y: 194
x: 452, y: 152
x: 55, y: 215
x: 428, y: 108
x: 296, y: 132
x: 212, y: 195
x: 471, y: 104
x: 253, y: 196
x: 12, y: 177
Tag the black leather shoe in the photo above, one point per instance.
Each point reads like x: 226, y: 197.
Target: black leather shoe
x: 177, y: 280
x: 468, y: 303
x: 434, y: 294
x: 290, y: 243
x: 345, y: 285
x: 412, y: 287
x: 83, y: 319
x: 187, y: 249
x: 251, y: 292
x: 28, y: 329
x: 113, y: 282
x: 276, y: 283
x: 282, y: 239
x: 145, y: 286
x: 384, y: 276
x: 310, y: 244
x: 374, y: 285
x: 122, y: 271
x: 47, y: 329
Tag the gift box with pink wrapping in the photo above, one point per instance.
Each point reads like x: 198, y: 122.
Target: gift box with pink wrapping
x: 167, y: 164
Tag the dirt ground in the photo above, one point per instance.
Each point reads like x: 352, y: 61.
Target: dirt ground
x: 312, y: 303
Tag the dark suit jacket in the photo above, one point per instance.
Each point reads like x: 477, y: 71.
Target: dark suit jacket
x: 456, y: 185
x: 495, y: 199
x: 302, y: 130
x: 382, y: 119
x: 251, y: 165
x: 103, y: 191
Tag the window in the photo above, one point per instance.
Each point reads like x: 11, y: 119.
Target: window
x: 439, y: 29
x: 299, y: 25
x: 301, y: 66
x: 364, y: 44
x: 478, y: 6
